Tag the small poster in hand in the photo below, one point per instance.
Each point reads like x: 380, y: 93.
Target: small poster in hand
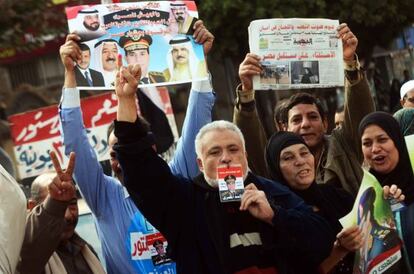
x: 231, y: 185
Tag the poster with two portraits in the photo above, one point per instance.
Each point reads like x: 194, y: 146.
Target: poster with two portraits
x: 155, y: 35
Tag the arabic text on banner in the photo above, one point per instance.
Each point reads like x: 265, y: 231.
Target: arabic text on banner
x: 36, y: 133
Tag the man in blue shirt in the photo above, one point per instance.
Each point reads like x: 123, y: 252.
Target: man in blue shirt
x: 126, y: 236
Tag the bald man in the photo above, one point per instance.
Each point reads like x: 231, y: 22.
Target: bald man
x: 50, y: 243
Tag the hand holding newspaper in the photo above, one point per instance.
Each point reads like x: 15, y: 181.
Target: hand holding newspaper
x: 297, y: 53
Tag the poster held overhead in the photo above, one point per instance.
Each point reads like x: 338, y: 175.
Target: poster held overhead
x: 143, y: 33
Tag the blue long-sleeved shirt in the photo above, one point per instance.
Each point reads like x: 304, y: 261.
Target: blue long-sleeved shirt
x: 126, y: 237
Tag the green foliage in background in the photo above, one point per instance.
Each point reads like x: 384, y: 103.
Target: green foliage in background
x: 25, y: 24
x: 375, y: 22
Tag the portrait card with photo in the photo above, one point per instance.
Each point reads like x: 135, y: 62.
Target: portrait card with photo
x: 230, y: 182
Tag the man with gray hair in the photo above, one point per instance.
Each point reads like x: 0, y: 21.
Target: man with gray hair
x: 265, y: 233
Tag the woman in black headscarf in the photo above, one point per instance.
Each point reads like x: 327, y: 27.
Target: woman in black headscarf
x: 386, y: 153
x: 290, y: 161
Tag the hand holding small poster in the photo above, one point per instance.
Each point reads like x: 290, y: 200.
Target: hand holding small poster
x: 381, y: 250
x: 230, y: 181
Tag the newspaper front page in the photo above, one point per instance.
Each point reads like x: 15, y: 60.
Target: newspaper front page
x: 297, y: 53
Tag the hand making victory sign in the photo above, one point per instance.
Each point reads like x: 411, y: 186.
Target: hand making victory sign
x: 62, y: 187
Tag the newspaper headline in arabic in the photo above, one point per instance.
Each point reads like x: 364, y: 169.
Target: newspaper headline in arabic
x: 297, y: 53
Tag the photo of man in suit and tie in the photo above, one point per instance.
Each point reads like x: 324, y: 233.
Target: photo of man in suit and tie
x: 86, y: 76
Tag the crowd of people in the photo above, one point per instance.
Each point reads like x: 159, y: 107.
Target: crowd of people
x: 298, y: 183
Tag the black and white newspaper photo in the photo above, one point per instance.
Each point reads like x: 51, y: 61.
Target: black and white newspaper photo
x: 297, y: 53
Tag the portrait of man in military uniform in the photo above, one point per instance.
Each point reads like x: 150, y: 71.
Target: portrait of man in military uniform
x: 231, y: 193
x: 161, y: 256
x: 136, y: 43
x: 380, y: 238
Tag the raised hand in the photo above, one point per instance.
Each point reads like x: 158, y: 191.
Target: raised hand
x: 126, y: 84
x: 256, y: 203
x: 349, y: 42
x: 248, y: 68
x: 62, y: 187
x: 70, y: 51
x: 203, y: 36
x: 127, y: 79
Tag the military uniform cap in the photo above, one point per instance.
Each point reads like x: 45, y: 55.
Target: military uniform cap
x: 157, y: 242
x: 135, y: 39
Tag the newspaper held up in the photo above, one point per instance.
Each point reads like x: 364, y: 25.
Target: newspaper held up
x: 297, y: 53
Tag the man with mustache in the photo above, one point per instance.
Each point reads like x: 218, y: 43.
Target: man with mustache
x: 119, y: 222
x: 90, y: 19
x: 108, y: 50
x: 338, y: 156
x: 136, y: 44
x: 51, y: 244
x: 88, y: 25
x: 182, y: 62
x: 265, y: 233
x: 185, y: 22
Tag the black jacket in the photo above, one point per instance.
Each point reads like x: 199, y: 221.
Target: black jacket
x: 180, y: 210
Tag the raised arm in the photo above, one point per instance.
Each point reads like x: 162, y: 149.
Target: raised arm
x: 44, y: 227
x: 358, y: 99
x: 94, y: 185
x: 46, y: 222
x: 153, y: 188
x: 200, y: 105
x: 245, y: 115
